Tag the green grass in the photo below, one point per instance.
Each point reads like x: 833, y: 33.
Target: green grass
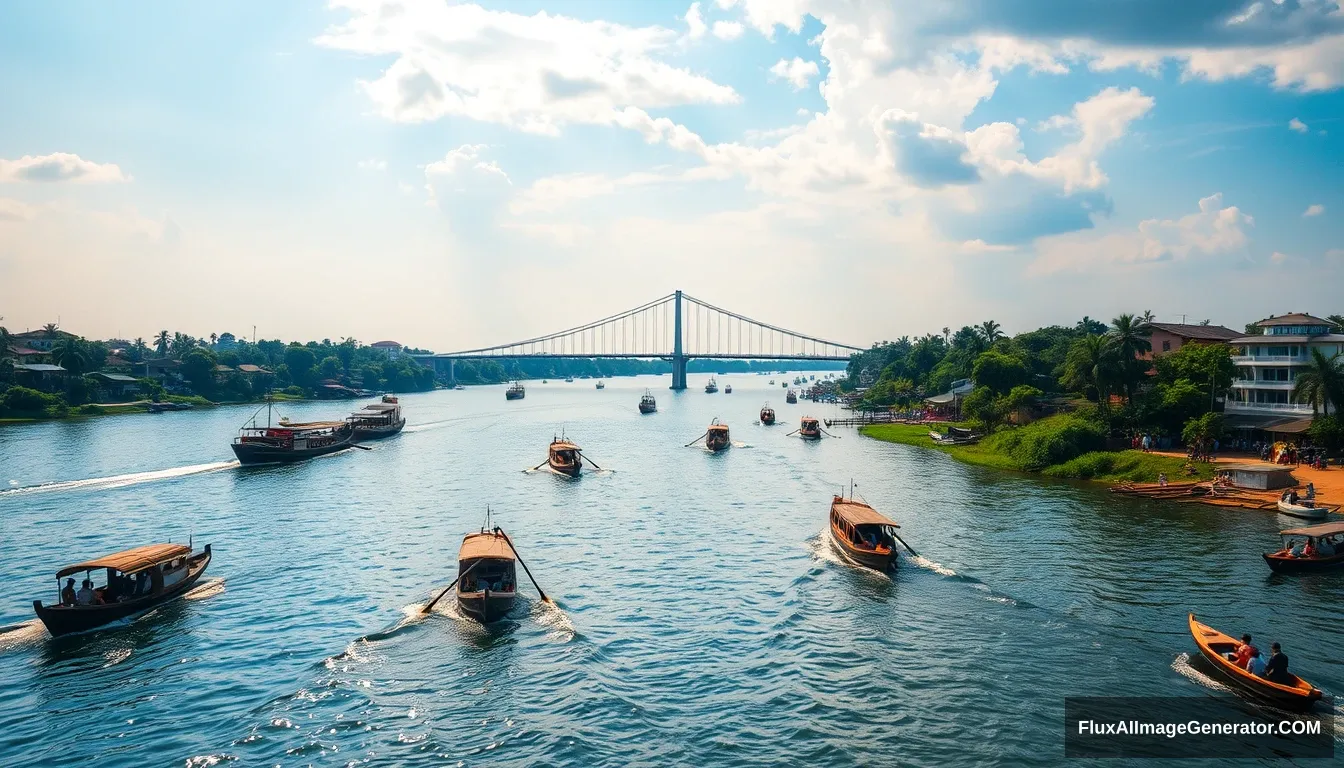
x: 995, y: 453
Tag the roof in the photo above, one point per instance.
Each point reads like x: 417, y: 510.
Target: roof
x: 478, y: 545
x: 304, y: 425
x: 40, y: 368
x: 858, y: 513
x: 1294, y: 318
x: 718, y: 427
x: 131, y: 560
x: 564, y: 445
x: 385, y: 344
x: 222, y: 368
x: 1293, y: 427
x: 250, y: 368
x: 115, y: 377
x: 1265, y: 468
x: 1199, y: 332
x: 1324, y: 529
x: 163, y: 362
x: 25, y: 351
x: 41, y: 333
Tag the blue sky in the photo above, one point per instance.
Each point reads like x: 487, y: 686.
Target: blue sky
x: 452, y: 175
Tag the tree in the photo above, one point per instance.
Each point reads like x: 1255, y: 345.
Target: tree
x: 300, y: 361
x: 70, y: 354
x: 1337, y: 321
x: 1200, y: 364
x: 198, y: 367
x: 999, y: 372
x: 161, y: 343
x: 1089, y: 366
x: 1202, y: 429
x: 6, y: 339
x: 990, y: 331
x: 1322, y: 383
x: 137, y: 351
x: 1129, y: 338
x: 984, y: 407
x: 1253, y: 329
x: 214, y: 339
x: 330, y: 367
x: 50, y: 328
x: 1328, y: 431
x: 1090, y: 327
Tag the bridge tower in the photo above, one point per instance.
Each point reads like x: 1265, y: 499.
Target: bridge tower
x: 678, y: 356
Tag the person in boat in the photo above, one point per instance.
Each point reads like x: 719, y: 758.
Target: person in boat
x: 1311, y: 491
x: 1242, y: 656
x: 1295, y: 548
x: 142, y: 583
x: 1256, y: 664
x: 68, y: 594
x: 1324, y: 548
x: 1276, y: 669
x: 86, y: 595
x: 1309, y: 549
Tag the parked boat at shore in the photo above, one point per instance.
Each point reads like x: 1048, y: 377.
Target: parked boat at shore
x: 165, y: 407
x: 862, y: 534
x: 1294, y: 559
x: 515, y: 392
x: 647, y: 403
x: 137, y: 580
x: 487, y: 576
x: 378, y: 420
x: 289, y: 441
x: 1293, y: 692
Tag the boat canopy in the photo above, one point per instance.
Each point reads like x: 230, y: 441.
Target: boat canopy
x: 132, y: 560
x: 303, y: 426
x: 857, y: 513
x: 1315, y: 531
x: 560, y: 444
x: 485, y: 545
x: 373, y: 411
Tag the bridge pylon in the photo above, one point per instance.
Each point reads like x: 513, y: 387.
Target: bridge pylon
x: 678, y: 356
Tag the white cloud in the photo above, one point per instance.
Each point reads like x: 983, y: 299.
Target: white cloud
x: 695, y: 22
x: 1278, y: 257
x: 980, y: 246
x: 466, y: 159
x: 59, y: 166
x: 15, y: 210
x: 372, y: 164
x: 534, y: 73
x: 1297, y: 125
x: 797, y: 72
x: 1315, y: 209
x: 727, y: 30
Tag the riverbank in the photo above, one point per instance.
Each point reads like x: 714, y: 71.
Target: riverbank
x: 56, y: 413
x: 996, y: 452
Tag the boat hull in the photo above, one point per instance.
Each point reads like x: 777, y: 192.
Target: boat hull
x: 1212, y: 644
x: 717, y: 445
x: 251, y: 454
x: 878, y: 561
x: 643, y: 408
x: 1288, y: 564
x: 513, y: 395
x: 1301, y: 512
x: 767, y: 420
x: 378, y: 433
x: 60, y: 620
x: 486, y: 607
x: 570, y: 470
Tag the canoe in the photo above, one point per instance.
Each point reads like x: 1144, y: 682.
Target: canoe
x: 1297, y: 694
x: 1303, y: 512
x: 487, y: 577
x: 563, y: 457
x: 1283, y: 560
x: 153, y: 565
x: 862, y: 534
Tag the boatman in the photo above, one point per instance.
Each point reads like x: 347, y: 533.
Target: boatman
x: 68, y: 594
x: 1276, y: 669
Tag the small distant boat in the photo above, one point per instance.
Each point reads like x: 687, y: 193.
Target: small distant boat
x: 727, y: 389
x: 563, y: 457
x: 1294, y: 692
x: 1308, y: 511
x: 954, y: 436
x: 772, y: 382
x: 810, y: 429
x: 712, y: 386
x: 487, y: 577
x: 767, y: 415
x: 515, y: 392
x: 137, y: 580
x: 600, y: 385
x: 791, y: 397
x: 545, y: 381
x: 165, y: 407
x: 458, y: 386
x: 647, y: 404
x: 1284, y: 561
x: 784, y: 384
x: 290, y: 441
x: 716, y: 438
x: 381, y: 419
x: 569, y: 379
x: 863, y: 535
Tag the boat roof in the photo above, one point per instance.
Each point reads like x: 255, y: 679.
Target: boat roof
x: 131, y: 560
x: 1264, y: 468
x: 1324, y: 529
x: 812, y: 419
x: 485, y: 545
x: 858, y: 513
x: 299, y: 426
x: 560, y: 444
x: 718, y: 427
x: 375, y: 410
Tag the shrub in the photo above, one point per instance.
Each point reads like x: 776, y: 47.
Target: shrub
x: 1050, y: 441
x: 25, y: 400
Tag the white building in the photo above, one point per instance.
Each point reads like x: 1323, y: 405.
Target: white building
x: 1267, y: 370
x: 390, y: 348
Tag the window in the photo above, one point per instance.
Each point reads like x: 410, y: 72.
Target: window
x: 1166, y: 346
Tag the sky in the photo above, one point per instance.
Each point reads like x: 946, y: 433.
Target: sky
x: 453, y: 175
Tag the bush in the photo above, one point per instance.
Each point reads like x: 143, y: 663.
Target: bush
x: 1049, y: 441
x: 1203, y: 428
x: 1328, y: 431
x: 25, y: 400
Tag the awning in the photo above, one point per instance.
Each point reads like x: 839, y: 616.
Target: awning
x: 856, y: 513
x: 1293, y: 427
x: 132, y: 560
x: 1268, y: 423
x: 1324, y: 529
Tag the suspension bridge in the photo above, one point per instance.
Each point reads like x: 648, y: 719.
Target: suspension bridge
x: 676, y: 328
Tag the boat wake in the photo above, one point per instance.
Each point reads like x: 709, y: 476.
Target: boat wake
x: 1184, y: 668
x: 929, y: 565
x: 16, y: 635
x: 556, y: 621
x: 120, y: 481
x: 824, y: 551
x: 205, y: 589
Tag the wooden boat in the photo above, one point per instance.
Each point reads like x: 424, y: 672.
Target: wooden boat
x: 647, y: 404
x: 1302, y: 511
x: 290, y: 441
x: 1284, y: 561
x: 563, y: 457
x: 515, y: 392
x: 810, y: 429
x: 137, y: 580
x: 381, y: 419
x: 791, y: 397
x: 712, y: 386
x: 569, y: 379
x: 767, y: 415
x: 165, y: 407
x: 727, y: 389
x: 772, y: 382
x: 716, y: 438
x: 487, y: 577
x: 600, y: 385
x: 1296, y: 693
x: 862, y: 534
x: 784, y: 384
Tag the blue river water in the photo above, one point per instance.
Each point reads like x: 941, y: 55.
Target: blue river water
x: 701, y: 616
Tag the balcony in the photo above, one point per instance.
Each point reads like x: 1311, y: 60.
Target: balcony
x: 1232, y: 406
x: 1268, y: 359
x: 1257, y: 384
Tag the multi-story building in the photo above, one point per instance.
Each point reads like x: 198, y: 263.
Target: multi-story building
x: 1268, y: 366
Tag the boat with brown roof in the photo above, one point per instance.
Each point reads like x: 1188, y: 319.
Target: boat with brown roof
x: 565, y: 457
x: 862, y: 534
x: 136, y: 580
x: 767, y: 415
x: 1284, y: 561
x: 791, y: 397
x: 515, y: 392
x: 487, y: 576
x: 290, y: 441
x: 378, y: 420
x: 809, y: 429
x: 716, y: 437
x: 647, y: 404
x: 1293, y: 693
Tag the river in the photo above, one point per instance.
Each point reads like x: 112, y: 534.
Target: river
x: 701, y: 618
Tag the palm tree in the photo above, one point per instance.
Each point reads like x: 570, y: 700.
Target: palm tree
x: 1127, y: 339
x: 161, y: 343
x: 69, y: 353
x: 50, y: 328
x: 1321, y: 384
x: 5, y: 340
x: 214, y: 339
x: 947, y: 335
x: 989, y: 331
x: 1337, y: 321
x: 1089, y: 364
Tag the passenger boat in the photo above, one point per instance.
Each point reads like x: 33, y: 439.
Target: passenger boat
x: 712, y: 386
x: 791, y: 397
x: 727, y: 389
x: 137, y: 580
x: 1302, y: 511
x: 290, y: 441
x: 863, y: 535
x: 1284, y: 561
x: 772, y: 382
x: 569, y: 379
x: 381, y: 419
x: 1296, y: 693
x: 767, y: 415
x: 563, y: 457
x: 716, y: 438
x: 647, y: 404
x: 515, y: 392
x: 784, y: 384
x: 600, y: 385
x: 809, y: 429
x: 487, y: 577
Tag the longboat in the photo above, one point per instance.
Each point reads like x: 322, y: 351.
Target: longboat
x: 515, y: 392
x: 290, y: 441
x: 711, y: 386
x: 809, y: 429
x: 727, y: 389
x: 716, y: 437
x: 1283, y: 561
x: 563, y: 457
x: 767, y: 415
x: 791, y: 397
x: 1295, y: 693
x: 487, y: 577
x: 378, y: 420
x: 647, y: 404
x: 1302, y: 511
x: 137, y: 579
x: 862, y: 534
